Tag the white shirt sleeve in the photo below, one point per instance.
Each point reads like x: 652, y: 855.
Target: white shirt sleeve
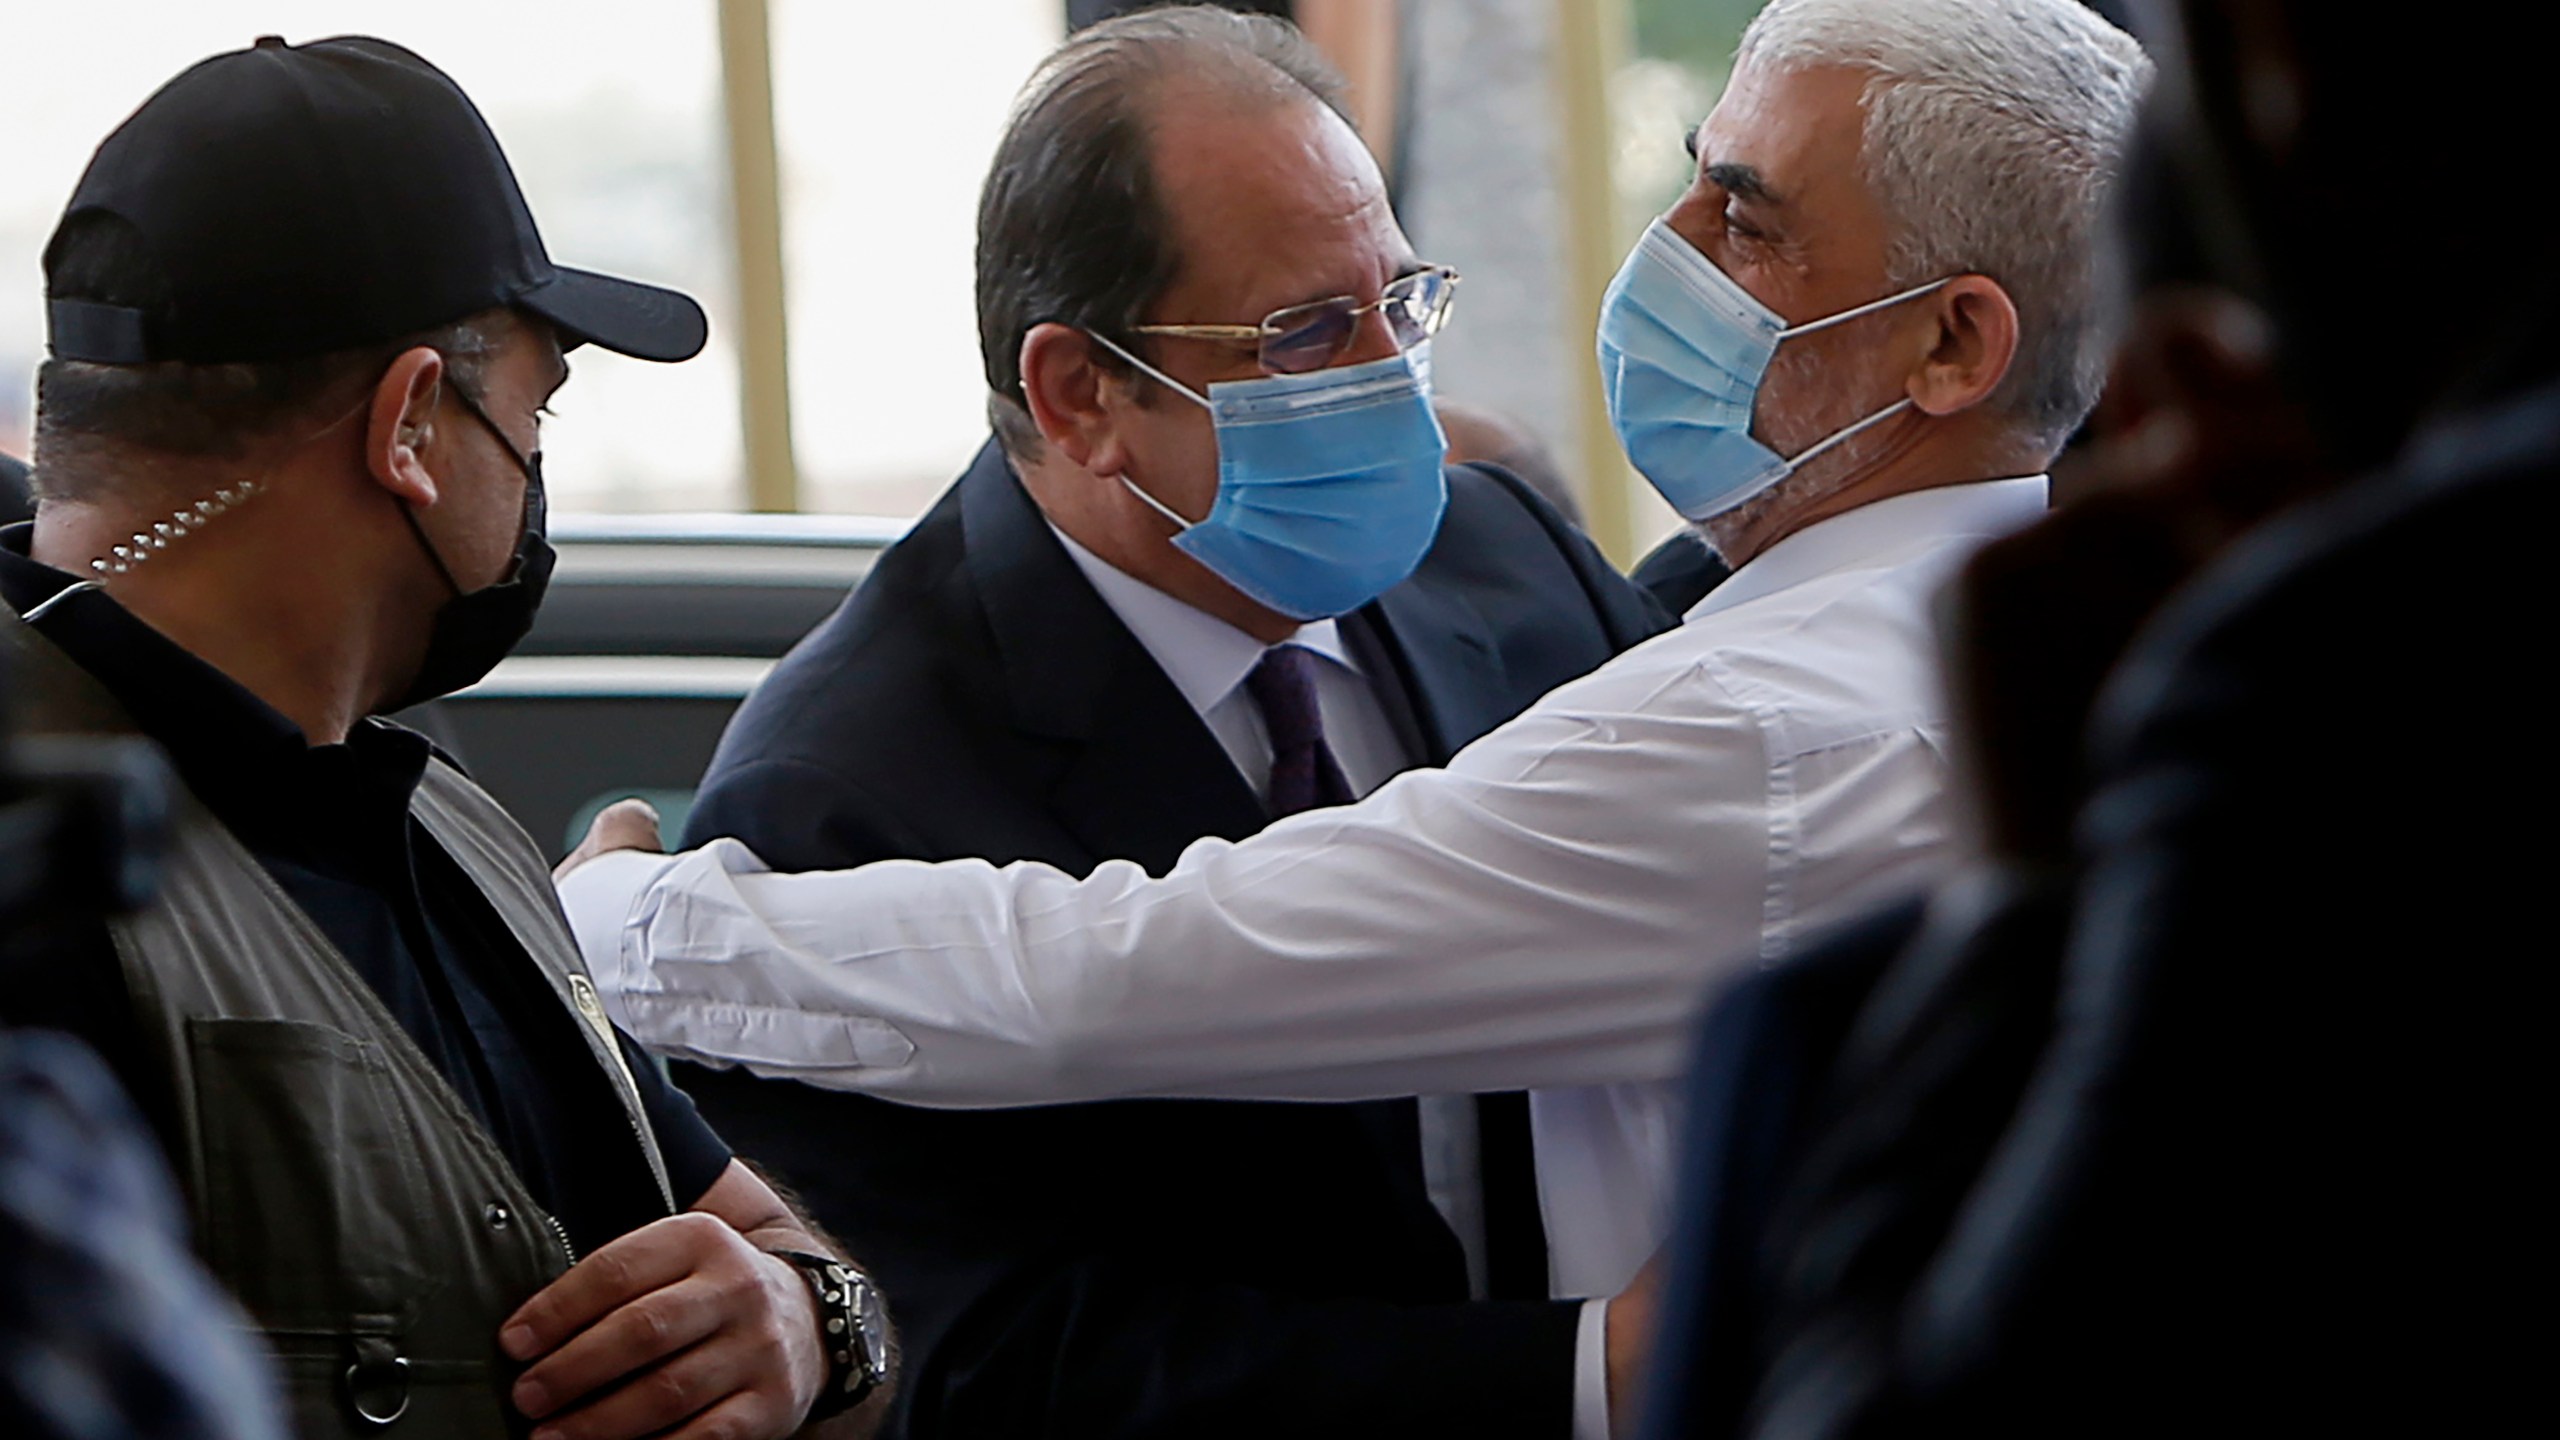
x: 1544, y: 912
x: 1591, y: 1372
x: 598, y: 897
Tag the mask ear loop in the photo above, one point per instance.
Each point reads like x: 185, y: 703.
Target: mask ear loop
x: 530, y: 464
x: 1871, y: 307
x: 1194, y: 396
x: 1158, y: 506
x: 1179, y: 524
x: 1847, y: 433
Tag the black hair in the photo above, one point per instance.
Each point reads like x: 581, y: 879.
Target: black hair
x: 1071, y: 228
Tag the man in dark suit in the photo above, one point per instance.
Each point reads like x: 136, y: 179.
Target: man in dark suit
x: 1040, y: 672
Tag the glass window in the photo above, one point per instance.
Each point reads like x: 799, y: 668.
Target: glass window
x: 1682, y: 57
x: 610, y: 110
x: 886, y: 116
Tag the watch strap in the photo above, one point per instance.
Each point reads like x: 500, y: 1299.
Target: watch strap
x: 841, y: 1293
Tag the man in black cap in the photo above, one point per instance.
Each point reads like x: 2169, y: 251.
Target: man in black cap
x: 288, y: 442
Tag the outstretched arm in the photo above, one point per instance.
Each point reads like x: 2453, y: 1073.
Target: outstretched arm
x: 1544, y: 912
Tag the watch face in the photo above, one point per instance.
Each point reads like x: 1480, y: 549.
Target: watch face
x: 873, y: 1319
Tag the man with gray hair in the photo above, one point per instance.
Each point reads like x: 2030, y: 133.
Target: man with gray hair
x: 1846, y: 353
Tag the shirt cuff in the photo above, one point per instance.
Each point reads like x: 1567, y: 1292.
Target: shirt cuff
x: 599, y: 897
x: 1591, y: 1373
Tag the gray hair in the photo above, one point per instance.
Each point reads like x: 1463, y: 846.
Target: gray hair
x: 1994, y: 129
x: 1070, y: 226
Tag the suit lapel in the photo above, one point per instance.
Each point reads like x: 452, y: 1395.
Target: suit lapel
x: 1146, y: 785
x: 1439, y: 650
x: 1138, y: 775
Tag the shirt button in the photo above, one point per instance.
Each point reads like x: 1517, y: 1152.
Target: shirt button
x: 498, y: 1216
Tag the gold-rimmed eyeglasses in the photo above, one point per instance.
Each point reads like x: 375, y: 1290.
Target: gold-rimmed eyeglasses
x: 1301, y: 338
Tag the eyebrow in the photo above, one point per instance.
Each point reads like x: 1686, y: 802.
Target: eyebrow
x: 1743, y: 180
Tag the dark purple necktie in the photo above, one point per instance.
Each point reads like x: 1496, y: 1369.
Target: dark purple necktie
x: 1304, y: 773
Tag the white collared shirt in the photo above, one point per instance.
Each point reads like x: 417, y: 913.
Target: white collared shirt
x: 1547, y: 912
x: 1207, y: 659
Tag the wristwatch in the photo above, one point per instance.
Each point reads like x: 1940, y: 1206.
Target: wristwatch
x: 855, y: 1326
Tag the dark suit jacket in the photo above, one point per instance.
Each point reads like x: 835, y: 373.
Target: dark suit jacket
x: 2276, y: 1159
x: 2230, y: 1128
x: 1839, y: 1108
x: 1759, y: 1066
x: 1137, y: 1268
x: 1680, y: 571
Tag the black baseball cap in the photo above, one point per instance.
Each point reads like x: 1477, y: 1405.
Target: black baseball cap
x: 286, y: 201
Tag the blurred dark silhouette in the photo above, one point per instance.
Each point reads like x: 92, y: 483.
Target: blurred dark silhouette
x: 2205, y: 1099
x: 108, y: 1328
x: 17, y: 496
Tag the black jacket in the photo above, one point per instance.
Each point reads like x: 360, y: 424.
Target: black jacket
x: 1680, y: 571
x: 2230, y: 1126
x: 1137, y: 1268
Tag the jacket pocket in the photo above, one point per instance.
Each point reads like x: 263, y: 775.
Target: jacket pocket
x: 306, y: 1203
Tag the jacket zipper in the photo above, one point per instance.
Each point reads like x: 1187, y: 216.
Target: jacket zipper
x: 560, y: 1233
x: 583, y: 992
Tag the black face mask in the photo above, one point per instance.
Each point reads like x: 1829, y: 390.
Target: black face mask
x: 476, y: 630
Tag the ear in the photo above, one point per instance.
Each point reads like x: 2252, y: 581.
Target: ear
x: 400, y: 425
x: 1072, y: 399
x: 1975, y: 339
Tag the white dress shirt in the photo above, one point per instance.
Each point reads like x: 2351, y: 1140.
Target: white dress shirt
x: 1547, y: 912
x: 1207, y: 660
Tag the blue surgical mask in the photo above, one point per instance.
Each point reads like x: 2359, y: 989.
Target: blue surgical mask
x: 1682, y: 351
x: 1329, y: 483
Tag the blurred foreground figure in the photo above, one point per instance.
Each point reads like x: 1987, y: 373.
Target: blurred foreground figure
x: 288, y: 444
x: 17, y: 502
x: 2207, y: 1100
x: 109, y: 1329
x: 1839, y: 355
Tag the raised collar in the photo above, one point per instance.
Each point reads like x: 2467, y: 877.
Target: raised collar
x: 251, y: 765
